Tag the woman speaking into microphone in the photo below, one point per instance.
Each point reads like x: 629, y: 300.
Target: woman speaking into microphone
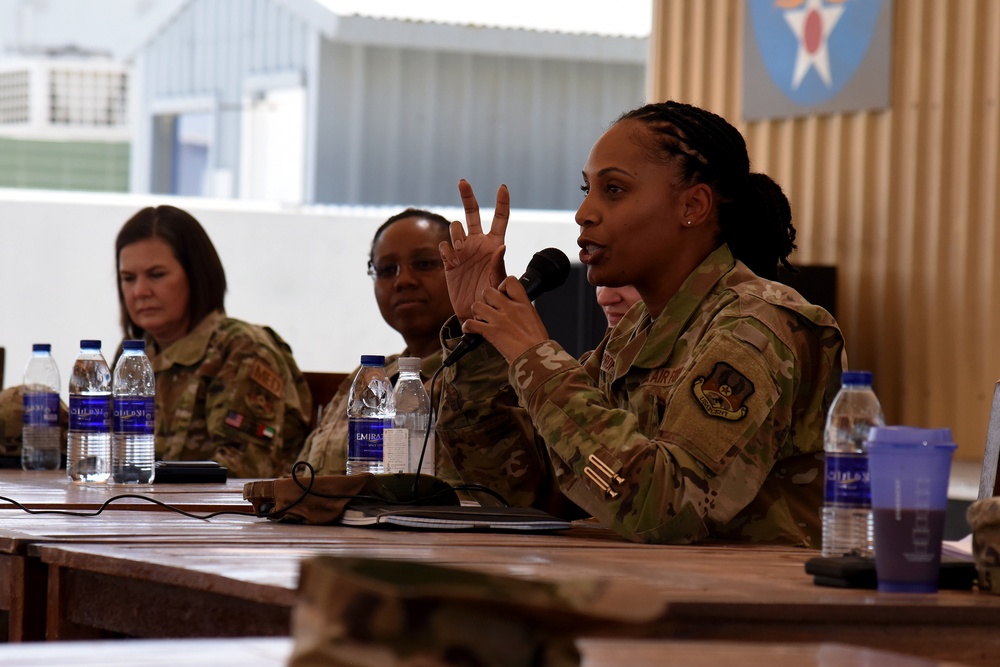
x: 701, y: 413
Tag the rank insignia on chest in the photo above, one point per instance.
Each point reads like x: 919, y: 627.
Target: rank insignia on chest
x: 723, y: 393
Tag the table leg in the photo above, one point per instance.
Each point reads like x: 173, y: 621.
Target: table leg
x: 84, y: 604
x: 22, y: 597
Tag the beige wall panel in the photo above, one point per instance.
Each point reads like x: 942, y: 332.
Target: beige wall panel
x: 904, y: 201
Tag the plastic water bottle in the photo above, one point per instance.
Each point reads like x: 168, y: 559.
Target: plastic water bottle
x: 88, y: 455
x: 41, y: 448
x: 847, y: 512
x: 133, y: 450
x: 413, y: 413
x: 370, y: 410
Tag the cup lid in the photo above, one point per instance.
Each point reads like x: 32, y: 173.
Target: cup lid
x: 910, y: 435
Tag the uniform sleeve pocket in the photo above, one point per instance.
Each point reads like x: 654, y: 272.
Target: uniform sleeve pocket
x: 722, y: 403
x: 251, y: 409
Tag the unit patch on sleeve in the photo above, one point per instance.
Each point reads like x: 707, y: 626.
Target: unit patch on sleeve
x: 267, y: 378
x: 723, y: 393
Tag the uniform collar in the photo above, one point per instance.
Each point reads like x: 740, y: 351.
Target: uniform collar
x: 628, y: 342
x: 190, y: 349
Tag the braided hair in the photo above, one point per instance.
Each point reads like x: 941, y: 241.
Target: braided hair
x: 754, y: 214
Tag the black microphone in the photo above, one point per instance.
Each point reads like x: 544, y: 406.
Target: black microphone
x: 547, y: 270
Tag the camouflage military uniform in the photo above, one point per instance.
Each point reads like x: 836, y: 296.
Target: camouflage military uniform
x: 11, y: 422
x: 326, y: 447
x: 705, y: 422
x: 11, y: 418
x: 230, y: 391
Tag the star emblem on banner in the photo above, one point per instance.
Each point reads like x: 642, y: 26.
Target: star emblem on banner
x: 812, y: 25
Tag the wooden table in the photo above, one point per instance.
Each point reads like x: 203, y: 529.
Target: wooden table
x: 24, y: 579
x: 244, y: 652
x: 53, y: 497
x: 51, y: 490
x: 274, y: 652
x: 655, y: 653
x: 151, y: 573
x: 708, y: 593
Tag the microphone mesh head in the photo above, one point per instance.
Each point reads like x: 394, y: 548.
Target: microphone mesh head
x: 553, y: 264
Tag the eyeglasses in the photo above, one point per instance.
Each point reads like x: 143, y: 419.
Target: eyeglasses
x: 418, y: 265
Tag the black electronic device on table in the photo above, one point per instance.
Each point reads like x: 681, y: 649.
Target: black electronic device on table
x: 858, y: 572
x: 190, y: 472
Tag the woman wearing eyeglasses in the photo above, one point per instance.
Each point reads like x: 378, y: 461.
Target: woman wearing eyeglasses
x: 412, y: 295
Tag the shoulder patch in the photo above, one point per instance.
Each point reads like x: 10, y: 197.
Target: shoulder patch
x: 723, y: 393
x: 262, y: 374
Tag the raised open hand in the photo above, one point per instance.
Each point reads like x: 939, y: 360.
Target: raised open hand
x: 473, y: 260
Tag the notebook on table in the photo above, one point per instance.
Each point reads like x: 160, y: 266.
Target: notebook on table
x: 452, y: 518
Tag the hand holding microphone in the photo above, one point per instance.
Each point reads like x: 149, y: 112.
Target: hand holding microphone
x: 547, y: 270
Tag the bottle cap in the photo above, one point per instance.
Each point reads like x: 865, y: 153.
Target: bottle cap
x: 41, y: 347
x: 856, y: 378
x: 409, y: 364
x: 134, y: 345
x: 372, y: 360
x: 90, y: 344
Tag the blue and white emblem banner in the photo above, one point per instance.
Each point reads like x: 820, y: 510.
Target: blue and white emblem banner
x: 806, y: 57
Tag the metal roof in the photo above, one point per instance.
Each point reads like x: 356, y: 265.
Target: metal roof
x: 624, y: 18
x: 567, y: 29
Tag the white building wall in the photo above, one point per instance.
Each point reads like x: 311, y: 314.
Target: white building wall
x: 301, y: 271
x: 395, y: 125
x: 207, y: 53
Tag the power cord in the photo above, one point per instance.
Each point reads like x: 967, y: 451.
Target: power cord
x: 307, y: 489
x: 122, y: 496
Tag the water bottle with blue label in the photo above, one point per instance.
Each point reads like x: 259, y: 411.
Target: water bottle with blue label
x: 133, y: 452
x: 847, y: 509
x: 370, y: 410
x: 88, y: 452
x: 41, y: 448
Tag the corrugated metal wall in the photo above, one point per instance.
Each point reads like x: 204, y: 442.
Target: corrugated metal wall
x: 903, y: 201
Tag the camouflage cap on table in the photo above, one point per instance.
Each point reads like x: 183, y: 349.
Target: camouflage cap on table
x: 367, y: 612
